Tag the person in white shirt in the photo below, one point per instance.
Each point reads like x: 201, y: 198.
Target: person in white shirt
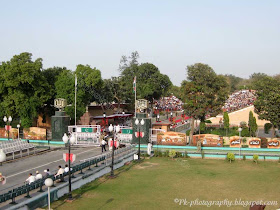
x: 60, y: 171
x: 103, y: 144
x: 30, y: 179
x: 66, y: 169
x: 38, y: 175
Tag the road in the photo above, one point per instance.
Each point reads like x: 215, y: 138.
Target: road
x: 16, y: 172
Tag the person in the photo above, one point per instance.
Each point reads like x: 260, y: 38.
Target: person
x: 31, y: 178
x: 66, y: 169
x: 60, y: 171
x: 47, y: 173
x: 38, y: 175
x: 103, y: 144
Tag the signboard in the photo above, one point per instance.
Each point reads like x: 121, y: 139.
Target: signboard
x: 60, y: 103
x: 254, y: 143
x: 208, y: 140
x: 172, y: 138
x: 141, y: 104
x: 127, y: 131
x: 124, y: 138
x: 86, y: 130
x: 66, y: 157
x: 235, y: 141
x: 273, y: 144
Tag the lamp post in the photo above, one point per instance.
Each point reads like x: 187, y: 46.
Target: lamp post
x: 123, y: 113
x: 111, y: 129
x: 240, y: 129
x: 2, y: 156
x: 68, y: 141
x: 137, y: 124
x: 18, y: 126
x: 8, y: 122
x: 171, y: 115
x: 49, y: 183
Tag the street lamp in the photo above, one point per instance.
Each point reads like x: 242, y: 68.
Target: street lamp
x: 68, y: 141
x: 137, y: 123
x: 171, y: 115
x: 240, y: 129
x: 157, y: 117
x: 18, y: 126
x: 117, y: 130
x: 2, y: 156
x: 49, y: 183
x: 8, y: 122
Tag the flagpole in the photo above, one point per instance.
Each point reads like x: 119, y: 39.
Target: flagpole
x: 75, y: 107
x: 135, y: 96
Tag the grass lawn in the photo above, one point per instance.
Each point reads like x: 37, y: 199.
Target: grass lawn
x: 158, y: 182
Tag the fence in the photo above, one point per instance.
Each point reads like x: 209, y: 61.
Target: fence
x: 39, y: 184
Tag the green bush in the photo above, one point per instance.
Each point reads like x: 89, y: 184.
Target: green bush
x: 179, y: 154
x: 244, y: 140
x: 166, y: 153
x: 186, y: 154
x: 255, y: 158
x: 156, y: 153
x: 188, y: 132
x: 263, y: 142
x: 172, y: 153
x: 245, y: 132
x: 202, y: 154
x: 244, y: 157
x: 230, y: 157
x: 243, y: 124
x: 159, y: 153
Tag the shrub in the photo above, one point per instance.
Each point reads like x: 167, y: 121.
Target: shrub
x: 202, y: 154
x: 255, y: 158
x: 230, y: 157
x: 186, y: 154
x: 244, y: 157
x: 172, y: 153
x: 159, y: 153
x: 188, y: 132
x: 243, y: 124
x: 263, y: 142
x: 244, y: 140
x: 166, y: 153
x: 245, y: 132
x: 156, y: 153
x: 179, y: 154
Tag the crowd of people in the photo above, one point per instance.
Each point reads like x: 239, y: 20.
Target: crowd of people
x: 32, y: 178
x: 171, y: 103
x: 239, y: 100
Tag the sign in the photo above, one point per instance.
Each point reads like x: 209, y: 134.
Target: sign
x: 142, y: 104
x: 235, y: 141
x: 60, y: 103
x: 66, y: 157
x: 172, y: 138
x: 110, y: 143
x: 254, y: 143
x: 273, y: 144
x: 8, y: 127
x: 86, y: 130
x: 208, y: 140
x: 127, y: 131
x: 141, y: 134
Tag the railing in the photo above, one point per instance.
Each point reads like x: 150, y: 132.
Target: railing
x: 38, y: 184
x: 182, y: 127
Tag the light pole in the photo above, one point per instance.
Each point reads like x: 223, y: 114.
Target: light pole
x: 2, y: 156
x: 137, y: 124
x: 111, y: 129
x: 240, y: 129
x: 123, y: 113
x: 171, y: 115
x: 49, y: 183
x: 68, y: 141
x: 18, y: 126
x: 8, y: 122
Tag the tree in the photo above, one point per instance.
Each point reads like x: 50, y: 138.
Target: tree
x: 151, y: 84
x: 204, y: 92
x: 23, y: 88
x: 176, y: 91
x: 226, y: 121
x: 267, y: 104
x: 233, y: 81
x: 89, y: 88
x: 251, y: 122
x: 254, y: 127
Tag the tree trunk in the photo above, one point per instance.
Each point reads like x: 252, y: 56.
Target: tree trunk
x: 192, y: 129
x: 273, y: 132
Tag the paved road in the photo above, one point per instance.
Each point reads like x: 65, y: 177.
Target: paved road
x: 17, y: 172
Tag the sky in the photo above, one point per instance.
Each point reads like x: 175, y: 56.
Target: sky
x: 236, y: 37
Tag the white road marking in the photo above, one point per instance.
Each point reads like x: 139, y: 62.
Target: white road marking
x: 44, y: 165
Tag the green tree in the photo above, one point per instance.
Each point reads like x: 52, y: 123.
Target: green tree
x: 89, y: 88
x: 251, y: 122
x: 226, y: 122
x: 233, y: 82
x: 23, y: 88
x: 254, y: 127
x: 267, y: 105
x: 204, y: 92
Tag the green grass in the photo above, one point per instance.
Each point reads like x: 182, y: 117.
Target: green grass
x: 155, y: 183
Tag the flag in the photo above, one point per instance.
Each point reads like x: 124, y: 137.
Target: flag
x: 66, y: 157
x: 134, y: 84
